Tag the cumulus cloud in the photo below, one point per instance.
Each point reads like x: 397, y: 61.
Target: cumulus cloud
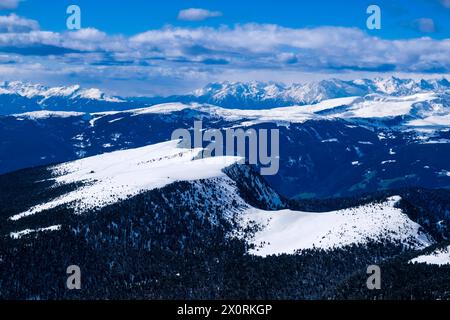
x: 9, y: 4
x: 195, y: 14
x: 88, y: 34
x: 15, y: 24
x: 425, y: 25
x: 172, y: 58
x: 256, y: 45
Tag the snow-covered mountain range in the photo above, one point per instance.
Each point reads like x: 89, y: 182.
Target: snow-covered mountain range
x: 19, y: 97
x: 44, y: 93
x: 364, y: 179
x: 254, y: 95
x: 335, y: 147
x: 427, y: 109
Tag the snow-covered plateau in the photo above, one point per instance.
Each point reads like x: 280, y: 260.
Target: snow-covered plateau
x: 288, y: 231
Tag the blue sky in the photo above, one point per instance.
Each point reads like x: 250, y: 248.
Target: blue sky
x: 139, y: 47
x: 141, y: 15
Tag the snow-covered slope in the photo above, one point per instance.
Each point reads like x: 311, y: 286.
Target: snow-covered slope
x: 294, y: 114
x: 425, y: 108
x: 44, y: 114
x: 211, y: 183
x: 287, y: 231
x: 116, y: 176
x: 432, y: 121
x: 439, y: 257
x: 378, y: 106
x: 18, y: 235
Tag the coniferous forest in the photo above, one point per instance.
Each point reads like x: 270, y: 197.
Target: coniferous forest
x: 155, y: 246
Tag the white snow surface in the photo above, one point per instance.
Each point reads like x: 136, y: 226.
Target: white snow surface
x: 431, y: 121
x: 115, y: 176
x: 439, y: 257
x: 385, y: 106
x: 287, y: 231
x: 371, y: 106
x: 44, y: 114
x: 286, y: 114
x: 20, y: 234
x: 426, y: 108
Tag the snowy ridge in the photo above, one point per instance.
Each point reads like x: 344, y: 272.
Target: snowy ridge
x: 439, y: 257
x: 44, y: 114
x: 20, y: 234
x: 18, y: 97
x: 284, y: 114
x: 426, y: 108
x: 44, y: 93
x: 287, y: 231
x: 246, y: 94
x: 116, y: 176
x: 431, y: 121
x: 378, y: 106
x: 313, y: 92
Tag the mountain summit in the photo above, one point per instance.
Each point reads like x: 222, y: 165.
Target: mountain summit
x: 19, y: 97
x: 256, y: 95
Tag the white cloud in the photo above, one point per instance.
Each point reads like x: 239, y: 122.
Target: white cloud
x: 243, y: 46
x: 87, y: 34
x: 173, y: 59
x: 15, y: 24
x: 195, y: 14
x: 322, y: 48
x: 9, y: 4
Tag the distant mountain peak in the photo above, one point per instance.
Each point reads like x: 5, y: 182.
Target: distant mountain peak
x: 256, y: 94
x: 19, y: 97
x: 38, y: 91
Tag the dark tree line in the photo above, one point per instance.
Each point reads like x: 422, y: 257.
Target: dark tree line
x: 167, y: 244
